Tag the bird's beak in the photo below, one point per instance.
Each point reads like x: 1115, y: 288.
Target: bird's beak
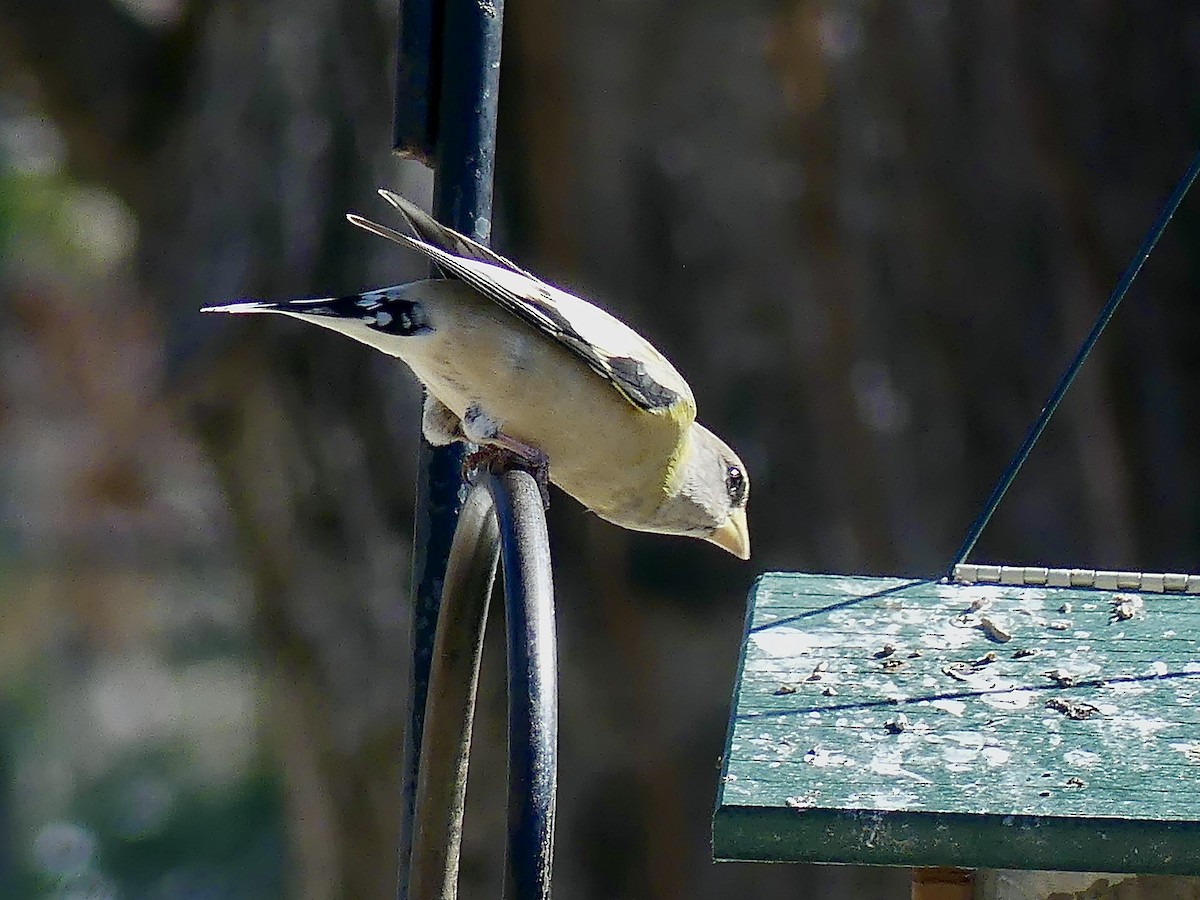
x: 734, y: 535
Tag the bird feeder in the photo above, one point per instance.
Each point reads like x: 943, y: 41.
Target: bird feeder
x: 999, y: 717
x: 1015, y: 718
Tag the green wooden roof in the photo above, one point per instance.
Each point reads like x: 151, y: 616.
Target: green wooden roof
x: 985, y: 725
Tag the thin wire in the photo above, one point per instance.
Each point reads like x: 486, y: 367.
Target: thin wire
x: 1114, y: 300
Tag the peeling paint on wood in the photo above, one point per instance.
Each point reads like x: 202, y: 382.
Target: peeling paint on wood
x: 1027, y: 727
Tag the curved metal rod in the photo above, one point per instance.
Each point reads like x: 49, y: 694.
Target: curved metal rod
x: 532, y: 684
x: 502, y: 512
x: 441, y: 774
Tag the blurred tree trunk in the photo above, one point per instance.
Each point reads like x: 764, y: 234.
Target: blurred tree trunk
x: 239, y: 135
x: 285, y: 126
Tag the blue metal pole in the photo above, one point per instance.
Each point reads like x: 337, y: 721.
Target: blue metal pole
x: 418, y: 75
x: 446, y: 108
x: 465, y: 153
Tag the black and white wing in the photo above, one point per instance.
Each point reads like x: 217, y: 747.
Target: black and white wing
x: 610, y: 347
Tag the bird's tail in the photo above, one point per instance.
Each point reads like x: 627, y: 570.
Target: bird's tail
x: 243, y: 306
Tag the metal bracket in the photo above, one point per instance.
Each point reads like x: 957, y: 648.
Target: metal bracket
x: 503, y: 517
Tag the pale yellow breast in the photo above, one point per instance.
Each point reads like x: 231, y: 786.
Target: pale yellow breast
x: 608, y: 454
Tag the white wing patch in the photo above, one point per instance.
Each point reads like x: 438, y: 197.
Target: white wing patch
x: 609, y: 346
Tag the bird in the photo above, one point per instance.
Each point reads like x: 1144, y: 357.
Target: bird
x: 509, y: 361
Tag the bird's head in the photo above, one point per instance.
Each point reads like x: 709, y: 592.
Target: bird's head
x: 709, y: 496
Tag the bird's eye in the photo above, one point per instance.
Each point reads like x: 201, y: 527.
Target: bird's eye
x: 735, y: 485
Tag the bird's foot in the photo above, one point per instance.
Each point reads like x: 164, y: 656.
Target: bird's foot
x: 498, y: 451
x: 511, y: 454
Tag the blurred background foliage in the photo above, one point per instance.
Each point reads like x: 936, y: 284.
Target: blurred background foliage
x: 870, y: 233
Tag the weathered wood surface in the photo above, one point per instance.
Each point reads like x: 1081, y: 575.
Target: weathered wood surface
x: 912, y: 722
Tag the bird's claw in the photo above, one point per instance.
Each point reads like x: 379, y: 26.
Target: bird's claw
x: 499, y: 459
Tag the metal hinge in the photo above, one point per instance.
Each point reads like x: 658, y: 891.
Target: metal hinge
x: 1037, y: 576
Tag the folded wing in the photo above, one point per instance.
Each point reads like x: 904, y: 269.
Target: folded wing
x: 610, y: 347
